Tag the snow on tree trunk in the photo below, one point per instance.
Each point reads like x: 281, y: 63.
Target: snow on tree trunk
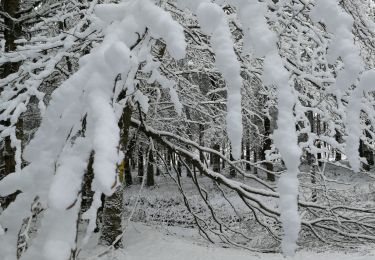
x: 10, y: 155
x: 112, y: 218
x: 87, y: 193
x: 113, y: 205
x: 267, y: 142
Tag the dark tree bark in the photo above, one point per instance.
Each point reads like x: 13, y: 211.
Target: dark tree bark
x: 267, y: 146
x: 232, y: 171
x: 158, y: 170
x: 133, y: 162
x: 128, y: 172
x: 255, y: 155
x: 112, y: 218
x: 179, y: 167
x: 368, y: 154
x: 12, y: 32
x: 363, y: 153
x: 215, y: 159
x: 319, y: 144
x: 338, y: 138
x: 370, y: 158
x: 242, y: 150
x: 310, y: 158
x: 223, y: 161
x: 113, y: 205
x: 361, y: 148
x: 87, y: 193
x: 150, y: 170
x: 140, y: 165
x: 190, y: 134
x: 201, y: 142
x: 188, y: 167
x: 168, y: 159
x: 248, y: 155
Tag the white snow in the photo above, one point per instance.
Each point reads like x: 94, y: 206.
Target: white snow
x: 343, y: 46
x: 57, y: 159
x: 59, y: 152
x: 145, y: 243
x: 258, y: 38
x: 285, y: 139
x: 353, y: 124
x: 213, y: 22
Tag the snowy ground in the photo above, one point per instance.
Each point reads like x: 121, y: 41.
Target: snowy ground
x: 163, y: 229
x: 146, y: 243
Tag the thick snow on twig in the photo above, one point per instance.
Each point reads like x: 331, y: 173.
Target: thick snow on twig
x: 214, y: 23
x: 57, y: 159
x: 212, y: 19
x: 82, y: 118
x: 366, y: 83
x: 285, y: 138
x: 343, y: 46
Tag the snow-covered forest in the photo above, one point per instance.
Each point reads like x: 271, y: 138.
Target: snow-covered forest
x: 187, y: 129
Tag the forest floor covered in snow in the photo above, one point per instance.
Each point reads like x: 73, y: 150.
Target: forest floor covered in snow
x: 162, y: 227
x: 143, y: 242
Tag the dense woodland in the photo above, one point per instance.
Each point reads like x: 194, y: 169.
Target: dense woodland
x: 250, y: 101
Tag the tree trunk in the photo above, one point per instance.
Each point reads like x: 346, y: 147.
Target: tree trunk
x: 370, y: 157
x: 319, y: 144
x: 223, y: 161
x: 158, y: 170
x: 113, y: 205
x: 311, y: 161
x: 179, y: 167
x: 267, y: 146
x: 201, y: 142
x: 368, y: 153
x: 255, y: 160
x: 215, y: 159
x: 140, y: 165
x: 133, y: 161
x: 242, y: 150
x: 248, y: 155
x: 338, y: 139
x: 12, y: 32
x: 232, y: 171
x: 190, y: 134
x: 188, y: 168
x: 150, y: 170
x: 87, y: 193
x: 112, y: 218
x: 128, y: 172
x: 168, y: 158
x: 363, y: 153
